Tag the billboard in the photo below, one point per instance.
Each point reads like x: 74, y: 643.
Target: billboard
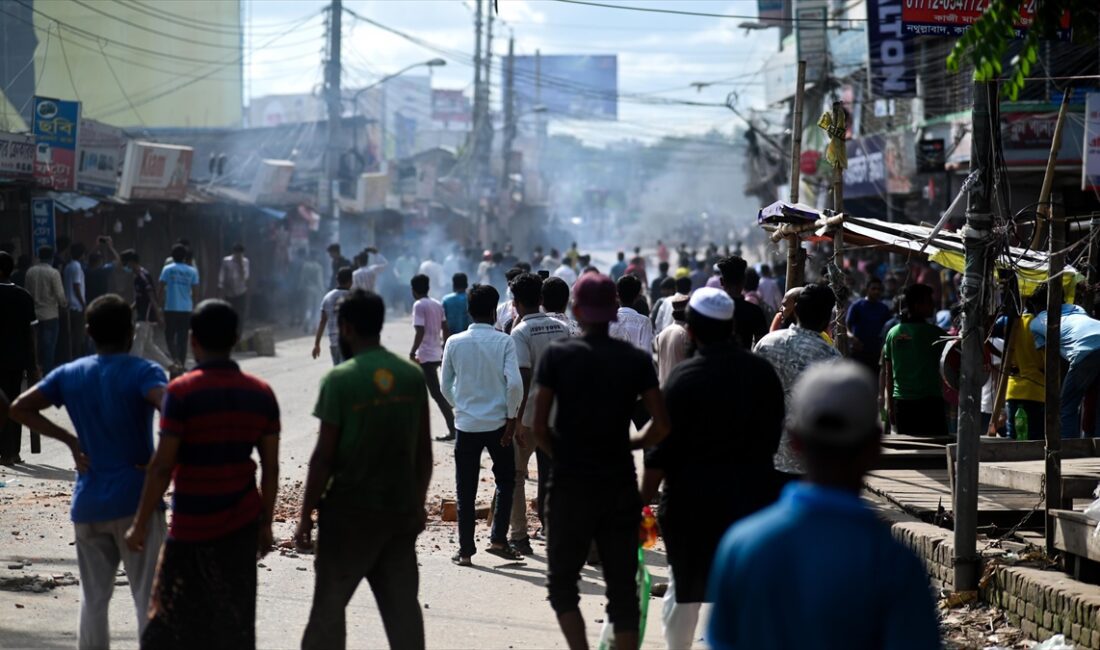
x: 890, y: 50
x: 578, y: 86
x: 155, y: 171
x: 880, y: 164
x: 56, y: 124
x: 43, y: 226
x: 16, y: 155
x: 813, y: 47
x: 953, y: 17
x: 450, y: 106
x: 100, y: 150
x: 1090, y: 169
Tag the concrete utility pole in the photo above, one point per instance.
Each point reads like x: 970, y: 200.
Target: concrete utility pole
x: 474, y: 135
x: 328, y: 193
x: 796, y: 257
x: 485, y: 132
x: 985, y: 117
x: 509, y: 115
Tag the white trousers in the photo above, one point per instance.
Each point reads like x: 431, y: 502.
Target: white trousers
x: 678, y: 620
x: 145, y: 345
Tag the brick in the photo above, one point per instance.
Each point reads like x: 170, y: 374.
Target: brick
x: 1029, y: 628
x: 1075, y: 633
x: 1048, y: 620
x: 1029, y: 611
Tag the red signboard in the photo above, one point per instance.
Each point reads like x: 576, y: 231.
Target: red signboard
x: 953, y: 17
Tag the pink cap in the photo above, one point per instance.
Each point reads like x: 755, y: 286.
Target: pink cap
x: 594, y: 299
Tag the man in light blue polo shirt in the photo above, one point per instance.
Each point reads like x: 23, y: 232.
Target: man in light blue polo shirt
x: 818, y: 569
x: 1080, y: 346
x: 179, y: 288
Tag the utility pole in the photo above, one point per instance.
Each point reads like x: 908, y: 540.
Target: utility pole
x: 486, y: 132
x: 985, y: 118
x: 328, y: 194
x: 796, y: 257
x: 475, y: 133
x: 509, y: 115
x: 840, y: 288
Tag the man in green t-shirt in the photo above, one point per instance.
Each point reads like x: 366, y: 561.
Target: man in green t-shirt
x: 911, y: 369
x: 368, y: 478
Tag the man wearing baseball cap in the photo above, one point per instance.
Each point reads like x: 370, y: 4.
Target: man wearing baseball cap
x: 818, y: 569
x: 593, y: 493
x: 713, y: 475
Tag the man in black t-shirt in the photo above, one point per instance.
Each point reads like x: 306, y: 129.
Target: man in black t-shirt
x: 749, y: 323
x: 593, y: 495
x: 16, y: 353
x: 338, y: 262
x: 146, y: 314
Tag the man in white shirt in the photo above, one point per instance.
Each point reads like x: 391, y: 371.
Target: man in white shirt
x: 673, y: 343
x: 366, y: 276
x: 534, y: 332
x: 481, y: 380
x: 506, y: 311
x: 566, y: 272
x: 233, y: 277
x: 328, y: 320
x: 664, y: 313
x: 430, y: 323
x: 74, y: 294
x: 434, y: 271
x: 631, y: 326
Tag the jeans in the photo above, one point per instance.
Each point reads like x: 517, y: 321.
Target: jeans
x: 78, y: 338
x: 607, y: 512
x: 46, y: 332
x: 920, y: 417
x: 518, y: 531
x: 1083, y: 372
x: 240, y: 305
x: 100, y: 546
x: 431, y: 378
x: 380, y: 548
x: 145, y: 345
x: 468, y: 447
x: 1036, y: 418
x: 177, y: 324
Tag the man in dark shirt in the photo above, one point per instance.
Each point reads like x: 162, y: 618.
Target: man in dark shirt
x: 338, y: 262
x: 866, y: 318
x: 749, y: 323
x: 102, y: 263
x: 713, y: 476
x: 655, y: 285
x: 147, y: 314
x: 593, y: 495
x: 16, y: 353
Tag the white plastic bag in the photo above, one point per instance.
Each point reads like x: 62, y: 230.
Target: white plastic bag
x: 1056, y: 642
x: 1093, y: 512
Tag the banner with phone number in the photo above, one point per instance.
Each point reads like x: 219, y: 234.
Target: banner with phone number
x: 953, y: 17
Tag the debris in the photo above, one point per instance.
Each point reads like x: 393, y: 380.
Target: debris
x: 448, y: 510
x: 15, y: 566
x: 18, y: 606
x: 658, y: 590
x: 1056, y: 642
x: 301, y: 568
x: 957, y: 598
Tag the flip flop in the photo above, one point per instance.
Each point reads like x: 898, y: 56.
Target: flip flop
x: 506, y: 552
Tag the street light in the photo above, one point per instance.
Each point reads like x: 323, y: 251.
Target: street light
x: 431, y: 63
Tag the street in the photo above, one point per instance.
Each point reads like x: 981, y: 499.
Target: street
x: 494, y: 604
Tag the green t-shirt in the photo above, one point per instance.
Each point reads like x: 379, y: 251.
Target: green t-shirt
x: 376, y: 398
x: 914, y: 351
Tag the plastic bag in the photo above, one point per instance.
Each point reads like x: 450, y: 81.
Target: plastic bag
x: 1093, y: 512
x: 1056, y: 642
x: 647, y: 538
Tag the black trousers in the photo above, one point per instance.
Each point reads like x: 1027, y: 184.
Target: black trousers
x: 177, y: 324
x: 921, y: 417
x: 608, y: 512
x: 431, y: 378
x: 11, y: 433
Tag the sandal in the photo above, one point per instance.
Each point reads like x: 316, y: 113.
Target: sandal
x: 506, y: 552
x: 461, y: 560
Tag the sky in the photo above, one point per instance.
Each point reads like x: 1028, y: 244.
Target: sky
x: 659, y: 55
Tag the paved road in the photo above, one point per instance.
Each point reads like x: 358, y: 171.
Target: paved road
x: 492, y: 605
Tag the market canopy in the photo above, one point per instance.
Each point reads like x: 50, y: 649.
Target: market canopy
x: 944, y: 248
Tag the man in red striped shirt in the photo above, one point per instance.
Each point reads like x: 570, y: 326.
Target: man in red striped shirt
x: 213, y: 417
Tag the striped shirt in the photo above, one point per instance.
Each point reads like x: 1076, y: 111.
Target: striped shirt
x: 219, y: 414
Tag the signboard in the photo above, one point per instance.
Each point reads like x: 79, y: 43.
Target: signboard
x: 577, y: 86
x: 450, y: 107
x: 769, y: 10
x: 810, y: 16
x: 890, y: 52
x: 100, y: 151
x: 55, y: 131
x: 1090, y: 169
x: 930, y: 156
x: 43, y: 226
x: 953, y: 17
x: 155, y: 171
x: 880, y: 164
x: 16, y: 155
x: 271, y: 181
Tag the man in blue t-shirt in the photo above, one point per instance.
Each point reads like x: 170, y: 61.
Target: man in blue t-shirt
x: 110, y: 398
x: 866, y: 317
x: 179, y: 290
x: 454, y: 305
x: 818, y: 569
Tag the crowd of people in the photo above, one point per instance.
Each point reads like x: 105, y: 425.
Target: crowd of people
x: 548, y: 358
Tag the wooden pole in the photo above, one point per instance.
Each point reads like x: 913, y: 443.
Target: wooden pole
x: 1048, y: 176
x: 796, y: 258
x: 840, y: 327
x: 1053, y: 419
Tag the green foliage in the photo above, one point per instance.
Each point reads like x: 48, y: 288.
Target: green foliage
x: 984, y: 45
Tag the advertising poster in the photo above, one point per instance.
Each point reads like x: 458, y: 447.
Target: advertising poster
x: 43, y: 226
x: 56, y: 125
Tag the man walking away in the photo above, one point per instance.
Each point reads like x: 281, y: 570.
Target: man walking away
x: 911, y: 367
x: 555, y: 300
x: 233, y: 277
x: 769, y: 288
x: 430, y: 323
x: 16, y: 354
x: 1080, y: 346
x: 44, y: 284
x: 713, y: 476
x: 871, y: 592
x: 619, y: 267
x: 101, y: 269
x: 328, y: 322
x: 110, y: 399
x: 366, y: 276
x: 663, y: 316
x: 532, y: 335
x: 311, y: 288
x: 146, y: 314
x: 629, y: 325
x: 481, y: 380
x: 74, y: 295
x: 455, y: 307
x: 593, y: 492
x: 213, y: 418
x: 794, y: 349
x: 179, y: 290
x: 368, y: 477
x: 866, y: 318
x: 674, y: 342
x: 655, y: 291
x: 750, y: 325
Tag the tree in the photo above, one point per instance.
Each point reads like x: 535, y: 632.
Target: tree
x: 986, y: 43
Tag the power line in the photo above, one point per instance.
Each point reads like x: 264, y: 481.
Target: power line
x: 65, y: 57
x: 213, y: 28
x: 150, y: 30
x: 210, y: 24
x: 703, y: 13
